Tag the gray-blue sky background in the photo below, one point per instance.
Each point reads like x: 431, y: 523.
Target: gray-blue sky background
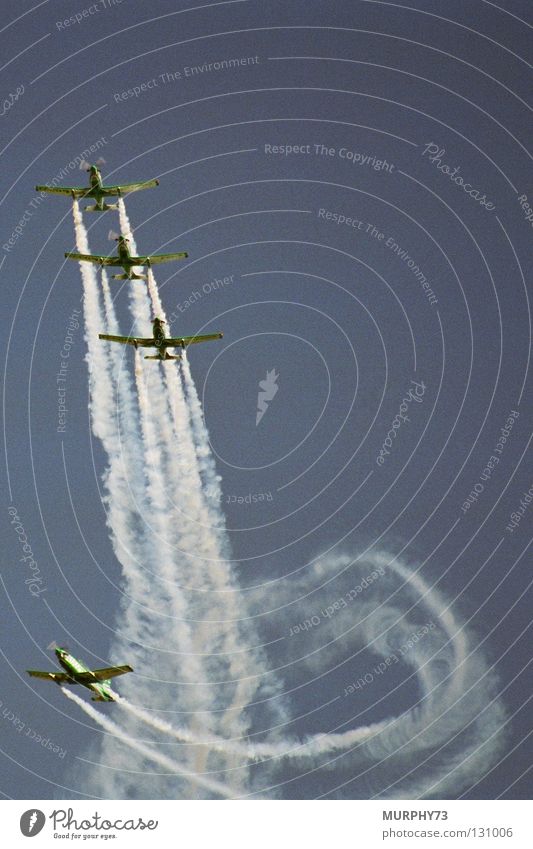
x: 336, y: 312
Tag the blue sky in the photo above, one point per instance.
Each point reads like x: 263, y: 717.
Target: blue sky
x: 313, y: 187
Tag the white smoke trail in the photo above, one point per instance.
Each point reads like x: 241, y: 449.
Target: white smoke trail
x: 287, y: 748
x: 211, y: 480
x: 171, y: 463
x: 101, y: 405
x: 220, y: 594
x: 125, y: 226
x: 147, y: 752
x: 147, y: 604
x: 199, y: 536
x: 154, y: 296
x: 121, y: 507
x: 437, y: 747
x: 110, y: 314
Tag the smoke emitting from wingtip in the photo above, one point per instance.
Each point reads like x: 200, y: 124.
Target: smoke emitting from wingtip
x: 183, y: 620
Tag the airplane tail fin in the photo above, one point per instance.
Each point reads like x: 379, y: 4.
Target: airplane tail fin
x: 107, y: 698
x: 132, y: 277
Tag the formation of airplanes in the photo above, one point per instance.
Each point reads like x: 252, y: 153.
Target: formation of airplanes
x: 74, y: 671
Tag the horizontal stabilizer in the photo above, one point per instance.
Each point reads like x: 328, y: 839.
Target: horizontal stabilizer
x: 104, y: 208
x: 166, y: 357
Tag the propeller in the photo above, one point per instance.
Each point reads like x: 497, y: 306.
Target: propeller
x: 53, y: 646
x: 113, y: 235
x: 86, y: 166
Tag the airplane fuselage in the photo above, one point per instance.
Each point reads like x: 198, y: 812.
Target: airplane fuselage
x: 96, y: 192
x: 95, y: 178
x: 159, y: 332
x: 73, y: 667
x: 126, y: 261
x: 159, y: 337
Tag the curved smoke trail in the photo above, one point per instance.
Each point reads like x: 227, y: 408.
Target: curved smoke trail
x: 452, y: 733
x: 354, y: 612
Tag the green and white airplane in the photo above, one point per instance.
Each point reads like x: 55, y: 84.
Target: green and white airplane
x: 97, y: 191
x: 160, y: 341
x: 126, y: 260
x: 97, y: 680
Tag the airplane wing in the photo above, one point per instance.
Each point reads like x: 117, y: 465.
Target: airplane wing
x: 99, y: 260
x: 129, y: 340
x: 185, y: 341
x: 129, y: 187
x: 102, y: 674
x: 153, y: 260
x: 49, y: 676
x: 74, y: 191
